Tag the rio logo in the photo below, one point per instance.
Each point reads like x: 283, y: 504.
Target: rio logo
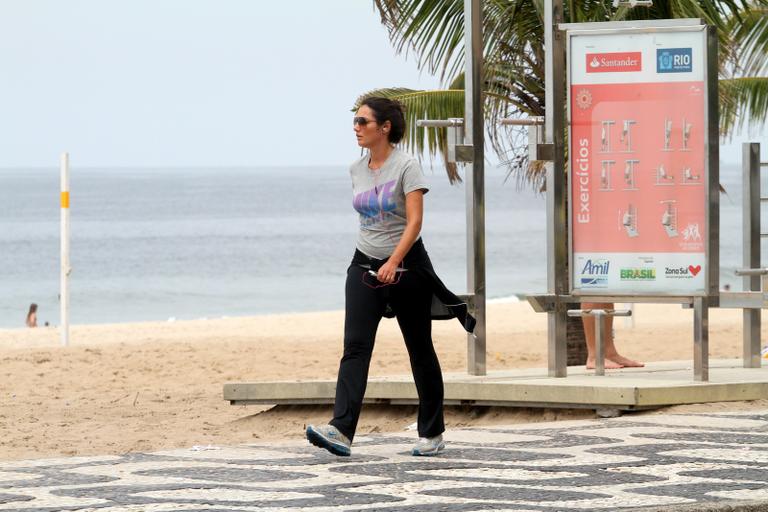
x: 674, y: 60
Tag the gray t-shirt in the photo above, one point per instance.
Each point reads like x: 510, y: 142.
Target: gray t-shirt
x: 379, y: 198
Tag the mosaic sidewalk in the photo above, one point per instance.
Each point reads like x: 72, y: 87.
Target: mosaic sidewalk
x: 686, y: 462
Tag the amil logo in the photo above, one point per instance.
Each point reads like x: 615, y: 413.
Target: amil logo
x: 596, y: 267
x: 614, y: 62
x: 595, y: 272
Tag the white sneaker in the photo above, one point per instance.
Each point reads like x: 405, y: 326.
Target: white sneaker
x: 329, y: 437
x: 428, y: 446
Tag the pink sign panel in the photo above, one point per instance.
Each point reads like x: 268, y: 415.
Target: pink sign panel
x: 637, y: 163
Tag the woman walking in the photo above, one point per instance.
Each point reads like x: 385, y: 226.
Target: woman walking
x: 390, y: 275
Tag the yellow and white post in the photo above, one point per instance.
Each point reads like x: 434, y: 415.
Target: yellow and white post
x: 65, y: 268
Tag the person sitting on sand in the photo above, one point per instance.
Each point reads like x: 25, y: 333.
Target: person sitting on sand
x: 32, y: 315
x: 613, y: 359
x: 390, y: 275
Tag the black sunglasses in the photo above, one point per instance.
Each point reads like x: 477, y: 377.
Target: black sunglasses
x: 362, y: 121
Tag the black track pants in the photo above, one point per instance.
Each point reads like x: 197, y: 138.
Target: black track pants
x: 410, y: 299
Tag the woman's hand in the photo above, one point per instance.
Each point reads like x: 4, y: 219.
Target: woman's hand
x: 388, y: 272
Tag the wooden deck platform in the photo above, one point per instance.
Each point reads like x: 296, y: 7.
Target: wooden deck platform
x: 656, y: 385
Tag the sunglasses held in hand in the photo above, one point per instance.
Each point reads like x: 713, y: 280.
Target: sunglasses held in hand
x: 374, y: 274
x: 373, y: 281
x: 397, y: 270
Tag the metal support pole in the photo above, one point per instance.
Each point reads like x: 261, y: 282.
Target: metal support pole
x: 475, y: 180
x: 554, y: 125
x: 65, y: 268
x: 599, y: 342
x: 701, y: 339
x: 750, y: 163
x: 713, y: 165
x: 599, y: 315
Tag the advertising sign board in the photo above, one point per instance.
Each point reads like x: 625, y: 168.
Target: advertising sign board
x: 638, y: 171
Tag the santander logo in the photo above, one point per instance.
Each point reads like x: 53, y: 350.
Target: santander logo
x: 614, y: 62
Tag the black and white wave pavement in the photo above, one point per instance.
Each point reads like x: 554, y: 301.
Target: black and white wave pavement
x: 611, y: 464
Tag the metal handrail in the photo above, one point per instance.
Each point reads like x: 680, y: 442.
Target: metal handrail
x: 633, y: 3
x: 531, y: 121
x: 440, y: 123
x: 751, y: 271
x: 606, y: 312
x: 599, y: 332
x: 457, y: 121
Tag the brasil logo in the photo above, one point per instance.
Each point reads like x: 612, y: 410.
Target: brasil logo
x: 637, y: 274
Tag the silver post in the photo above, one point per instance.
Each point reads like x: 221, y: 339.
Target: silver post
x: 557, y: 250
x: 701, y: 339
x: 750, y: 163
x: 713, y: 165
x: 475, y: 178
x: 599, y: 342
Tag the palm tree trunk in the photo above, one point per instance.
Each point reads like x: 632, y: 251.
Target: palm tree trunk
x: 576, y: 344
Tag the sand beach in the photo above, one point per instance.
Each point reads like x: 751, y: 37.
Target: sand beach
x: 121, y: 388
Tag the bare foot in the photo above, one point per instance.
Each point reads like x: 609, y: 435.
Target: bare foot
x: 609, y: 364
x: 626, y: 362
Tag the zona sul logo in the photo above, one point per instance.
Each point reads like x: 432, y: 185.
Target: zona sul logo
x: 688, y: 272
x: 595, y: 273
x: 674, y: 60
x: 614, y: 62
x: 638, y: 274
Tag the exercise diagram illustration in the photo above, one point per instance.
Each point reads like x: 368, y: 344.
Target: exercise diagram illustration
x: 670, y: 171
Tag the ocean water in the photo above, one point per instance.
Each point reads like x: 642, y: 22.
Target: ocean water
x: 154, y: 244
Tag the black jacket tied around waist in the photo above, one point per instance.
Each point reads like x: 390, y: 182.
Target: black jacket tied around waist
x: 445, y: 304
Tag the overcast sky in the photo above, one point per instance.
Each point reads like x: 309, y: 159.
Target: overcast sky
x: 193, y: 82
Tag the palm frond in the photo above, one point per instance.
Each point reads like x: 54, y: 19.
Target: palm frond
x: 513, y: 39
x: 433, y: 29
x: 746, y: 104
x: 750, y: 31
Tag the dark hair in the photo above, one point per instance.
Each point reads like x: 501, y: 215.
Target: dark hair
x: 385, y: 109
x: 32, y: 309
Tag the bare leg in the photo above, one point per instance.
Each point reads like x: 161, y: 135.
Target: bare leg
x: 613, y: 359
